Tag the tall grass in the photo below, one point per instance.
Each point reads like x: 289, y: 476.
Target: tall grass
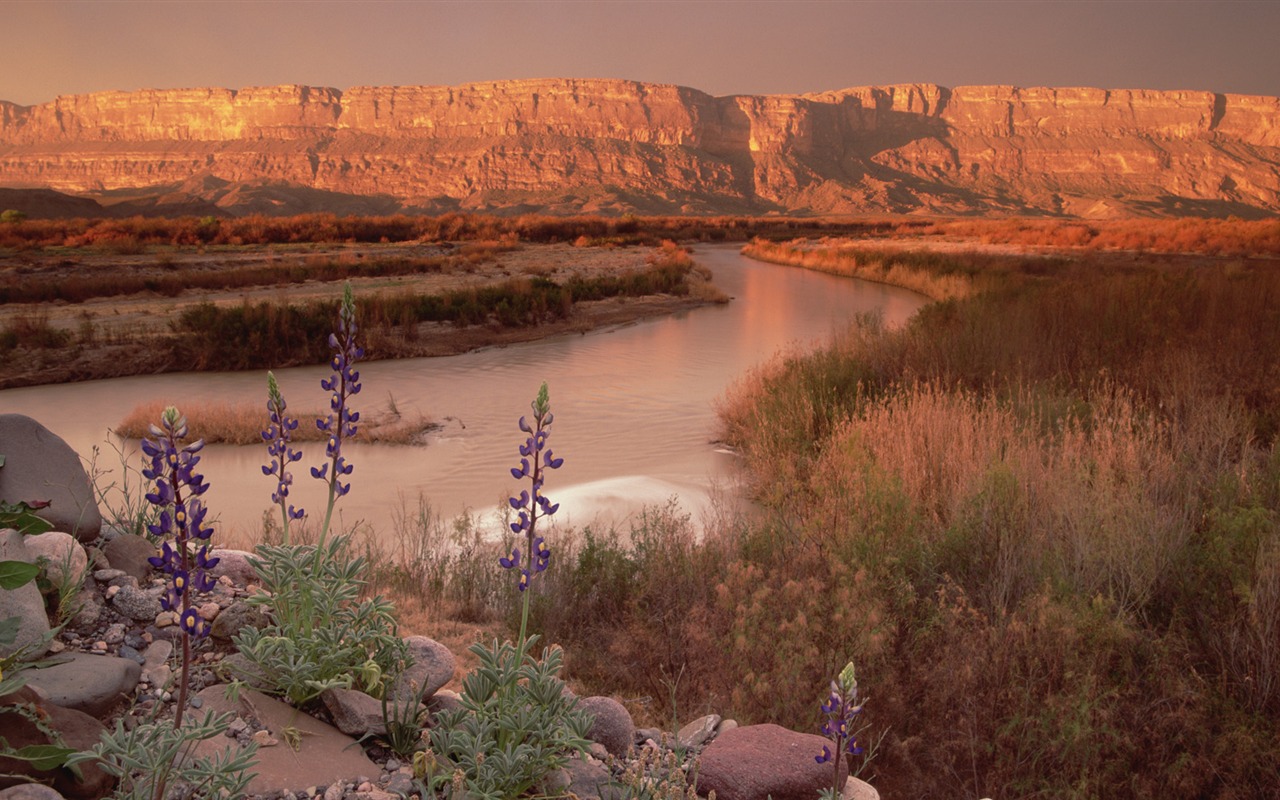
x: 1044, y: 520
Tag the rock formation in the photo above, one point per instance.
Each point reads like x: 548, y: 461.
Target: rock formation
x: 612, y: 145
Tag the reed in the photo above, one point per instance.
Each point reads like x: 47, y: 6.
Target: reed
x: 242, y: 423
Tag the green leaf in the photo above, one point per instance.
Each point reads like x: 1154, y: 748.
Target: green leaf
x: 9, y: 629
x: 17, y: 573
x: 1, y: 461
x: 43, y: 757
x: 22, y: 516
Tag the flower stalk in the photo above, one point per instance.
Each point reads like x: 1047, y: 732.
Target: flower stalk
x: 532, y: 504
x: 340, y: 425
x: 840, y: 710
x: 278, y: 436
x: 180, y: 525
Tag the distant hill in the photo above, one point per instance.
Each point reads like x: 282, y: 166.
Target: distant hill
x: 612, y: 147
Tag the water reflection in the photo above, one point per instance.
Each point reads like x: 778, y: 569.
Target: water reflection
x: 634, y: 405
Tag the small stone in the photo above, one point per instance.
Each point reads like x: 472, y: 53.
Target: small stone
x: 107, y: 575
x: 334, y: 792
x: 115, y: 633
x: 128, y: 652
x: 196, y: 702
x: 100, y: 646
x: 165, y: 619
x: 238, y: 726
x: 400, y: 785
x: 111, y: 591
x: 311, y: 791
x: 697, y: 732
x: 209, y: 611
x: 265, y: 739
x: 137, y: 604
x: 56, y: 646
x: 392, y: 765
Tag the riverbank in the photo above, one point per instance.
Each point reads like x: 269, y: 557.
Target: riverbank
x: 242, y: 307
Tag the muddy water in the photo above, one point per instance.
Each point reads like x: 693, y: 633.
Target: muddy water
x: 634, y: 406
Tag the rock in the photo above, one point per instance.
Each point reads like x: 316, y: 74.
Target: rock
x: 137, y: 604
x: 237, y: 616
x: 38, y: 466
x: 155, y: 662
x: 234, y: 564
x: 128, y: 553
x: 757, y: 762
x: 432, y: 668
x: 64, y: 558
x: 88, y: 609
x: 443, y: 701
x: 30, y: 791
x: 956, y: 150
x: 612, y: 725
x: 239, y: 667
x: 324, y: 755
x: 88, y: 683
x: 399, y: 785
x: 588, y: 781
x: 25, y: 602
x: 695, y: 733
x: 74, y: 728
x: 855, y: 789
x: 355, y: 713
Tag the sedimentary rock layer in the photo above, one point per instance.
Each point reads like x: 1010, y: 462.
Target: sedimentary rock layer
x: 611, y: 145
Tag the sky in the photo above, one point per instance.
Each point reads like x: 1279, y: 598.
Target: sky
x: 54, y: 47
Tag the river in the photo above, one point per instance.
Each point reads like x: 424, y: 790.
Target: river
x: 634, y: 406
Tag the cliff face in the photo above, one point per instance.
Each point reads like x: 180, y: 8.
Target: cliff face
x: 567, y: 145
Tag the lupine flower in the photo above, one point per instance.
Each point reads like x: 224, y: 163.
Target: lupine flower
x: 341, y: 385
x: 531, y: 504
x: 839, y: 710
x: 181, y: 526
x: 181, y: 519
x: 277, y: 436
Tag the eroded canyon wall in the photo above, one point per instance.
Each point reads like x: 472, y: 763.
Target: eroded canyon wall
x: 615, y: 145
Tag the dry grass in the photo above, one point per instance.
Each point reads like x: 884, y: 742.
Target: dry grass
x: 881, y: 267
x: 243, y: 423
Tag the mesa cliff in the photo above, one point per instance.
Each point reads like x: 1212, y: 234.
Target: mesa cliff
x: 565, y: 146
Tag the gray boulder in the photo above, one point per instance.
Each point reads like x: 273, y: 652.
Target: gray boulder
x: 432, y: 668
x: 355, y: 713
x: 757, y: 762
x: 128, y: 553
x: 25, y: 602
x: 63, y: 557
x: 88, y: 683
x: 38, y: 466
x: 611, y: 724
x: 140, y: 605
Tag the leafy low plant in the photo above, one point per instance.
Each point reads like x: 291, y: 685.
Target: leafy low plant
x: 322, y: 635
x: 516, y: 724
x: 154, y: 760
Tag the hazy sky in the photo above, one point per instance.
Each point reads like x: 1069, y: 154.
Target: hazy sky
x: 52, y: 47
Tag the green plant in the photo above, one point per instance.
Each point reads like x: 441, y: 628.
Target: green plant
x: 515, y: 726
x: 321, y: 634
x: 405, y: 721
x: 154, y: 760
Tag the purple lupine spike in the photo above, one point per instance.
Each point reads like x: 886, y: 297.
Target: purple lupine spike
x: 530, y: 503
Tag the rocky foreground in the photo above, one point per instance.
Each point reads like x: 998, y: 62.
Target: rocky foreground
x: 617, y: 146
x: 115, y: 661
